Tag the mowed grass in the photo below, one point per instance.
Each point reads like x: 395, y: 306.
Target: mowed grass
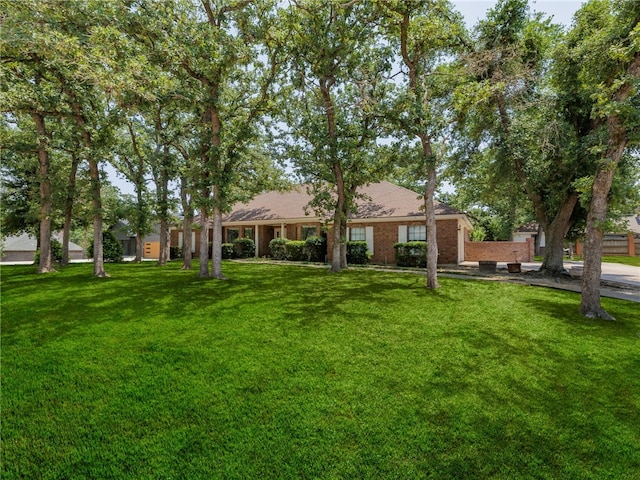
x: 289, y: 372
x: 625, y: 260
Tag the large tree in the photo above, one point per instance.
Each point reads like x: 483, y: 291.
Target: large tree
x: 424, y: 33
x: 19, y: 184
x: 598, y: 70
x: 226, y: 53
x: 132, y: 161
x: 28, y: 89
x: 336, y: 72
x: 511, y: 132
x: 56, y: 65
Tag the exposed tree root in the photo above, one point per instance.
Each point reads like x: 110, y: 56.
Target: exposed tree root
x: 597, y: 313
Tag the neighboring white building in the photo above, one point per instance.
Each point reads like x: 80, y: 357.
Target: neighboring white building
x: 625, y: 241
x: 633, y: 224
x: 530, y: 230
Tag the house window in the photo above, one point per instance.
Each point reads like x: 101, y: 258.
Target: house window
x: 248, y: 232
x: 417, y: 232
x: 232, y: 234
x: 308, y: 232
x: 357, y: 234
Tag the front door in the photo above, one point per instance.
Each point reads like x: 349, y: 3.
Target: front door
x: 277, y: 232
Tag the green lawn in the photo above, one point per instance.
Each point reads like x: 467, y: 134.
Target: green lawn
x: 633, y: 261
x: 288, y: 372
x: 625, y: 260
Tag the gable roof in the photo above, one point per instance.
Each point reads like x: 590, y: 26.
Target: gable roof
x: 382, y: 200
x: 28, y: 243
x: 634, y: 223
x: 20, y: 243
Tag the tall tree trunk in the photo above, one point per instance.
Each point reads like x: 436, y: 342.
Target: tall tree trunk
x: 338, y: 231
x: 96, y: 200
x: 187, y: 245
x: 94, y: 178
x: 216, y: 254
x: 555, y: 233
x: 432, y: 239
x: 590, y: 298
x: 45, y: 263
x: 204, y: 243
x: 216, y: 142
x: 163, y: 200
x: 430, y: 212
x: 350, y: 193
x: 556, y: 229
x: 68, y: 208
x: 339, y: 221
x: 187, y: 223
x: 343, y: 245
x: 337, y: 240
x: 415, y: 89
x: 164, y: 230
x: 136, y: 176
x: 139, y: 246
x: 617, y: 142
x: 140, y: 221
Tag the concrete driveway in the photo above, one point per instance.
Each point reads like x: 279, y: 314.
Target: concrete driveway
x: 613, y: 272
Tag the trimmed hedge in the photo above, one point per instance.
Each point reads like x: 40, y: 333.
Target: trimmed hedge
x: 228, y: 251
x: 315, y: 249
x: 244, y: 248
x: 295, y: 250
x: 239, y: 248
x: 357, y: 253
x: 278, y: 248
x: 411, y: 254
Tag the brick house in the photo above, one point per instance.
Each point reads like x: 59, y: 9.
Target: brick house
x: 389, y: 214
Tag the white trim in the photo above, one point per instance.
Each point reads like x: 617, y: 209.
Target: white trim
x: 256, y: 239
x: 461, y: 231
x: 402, y: 234
x: 368, y: 234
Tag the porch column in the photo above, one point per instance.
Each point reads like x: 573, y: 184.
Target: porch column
x: 283, y: 232
x: 461, y: 240
x: 257, y: 239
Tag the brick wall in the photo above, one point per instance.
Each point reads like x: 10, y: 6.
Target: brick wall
x: 499, y: 251
x: 385, y: 235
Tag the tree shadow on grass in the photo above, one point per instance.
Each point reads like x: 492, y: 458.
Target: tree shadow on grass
x: 564, y: 307
x: 45, y: 307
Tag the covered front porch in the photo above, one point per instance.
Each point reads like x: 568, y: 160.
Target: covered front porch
x: 262, y: 233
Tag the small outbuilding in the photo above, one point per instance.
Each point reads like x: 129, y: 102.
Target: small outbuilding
x: 22, y: 248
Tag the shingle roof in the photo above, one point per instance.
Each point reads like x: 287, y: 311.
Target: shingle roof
x: 382, y: 200
x: 634, y: 223
x: 28, y: 243
x: 20, y: 243
x: 531, y: 227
